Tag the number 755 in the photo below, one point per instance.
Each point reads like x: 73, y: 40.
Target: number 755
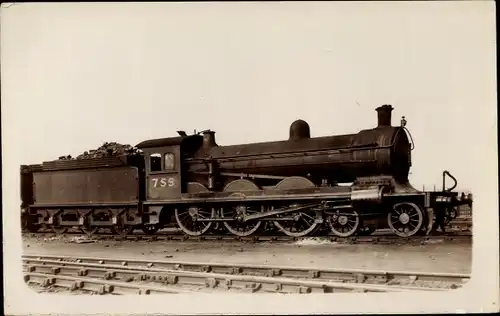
x: 163, y: 182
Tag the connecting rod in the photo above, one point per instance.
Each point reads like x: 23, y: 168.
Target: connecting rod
x: 279, y: 211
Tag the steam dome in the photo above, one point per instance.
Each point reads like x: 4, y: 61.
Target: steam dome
x: 299, y: 129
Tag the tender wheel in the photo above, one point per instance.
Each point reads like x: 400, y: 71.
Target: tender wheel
x: 59, y: 229
x: 56, y: 226
x: 87, y: 228
x: 405, y: 219
x: 121, y: 228
x: 150, y: 229
x: 297, y: 224
x: 44, y: 228
x: 29, y: 226
x: 187, y: 219
x: 238, y: 227
x: 344, y: 223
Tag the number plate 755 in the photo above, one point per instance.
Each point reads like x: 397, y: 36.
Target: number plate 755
x: 163, y: 182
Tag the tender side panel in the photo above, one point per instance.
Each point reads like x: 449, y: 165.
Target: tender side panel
x: 106, y: 185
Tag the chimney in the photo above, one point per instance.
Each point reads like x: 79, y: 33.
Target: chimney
x: 209, y: 139
x: 384, y: 115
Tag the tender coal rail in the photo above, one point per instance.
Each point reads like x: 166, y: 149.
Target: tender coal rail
x: 118, y: 276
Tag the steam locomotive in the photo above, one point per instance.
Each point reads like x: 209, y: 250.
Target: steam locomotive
x: 346, y: 184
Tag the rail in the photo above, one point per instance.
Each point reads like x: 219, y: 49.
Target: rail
x: 115, y: 276
x: 94, y: 285
x: 459, y: 236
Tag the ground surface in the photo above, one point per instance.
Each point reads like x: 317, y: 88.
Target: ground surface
x: 438, y: 256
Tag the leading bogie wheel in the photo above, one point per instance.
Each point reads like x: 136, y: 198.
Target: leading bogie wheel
x: 405, y: 219
x: 344, y: 223
x: 188, y: 219
x: 150, y: 229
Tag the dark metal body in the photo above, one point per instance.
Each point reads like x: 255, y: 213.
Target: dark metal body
x: 193, y: 171
x: 77, y: 192
x: 88, y: 186
x: 338, y: 159
x: 113, y: 180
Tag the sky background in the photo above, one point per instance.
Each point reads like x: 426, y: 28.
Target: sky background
x: 74, y: 76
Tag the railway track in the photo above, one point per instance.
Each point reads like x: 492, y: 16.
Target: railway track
x: 375, y: 239
x: 131, y: 276
x: 458, y: 229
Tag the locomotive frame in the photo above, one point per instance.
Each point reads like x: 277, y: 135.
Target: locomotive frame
x: 293, y: 186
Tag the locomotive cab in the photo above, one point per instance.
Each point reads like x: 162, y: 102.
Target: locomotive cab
x: 164, y: 159
x: 163, y: 176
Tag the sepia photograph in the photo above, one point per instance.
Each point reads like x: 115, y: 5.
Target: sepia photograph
x: 338, y: 157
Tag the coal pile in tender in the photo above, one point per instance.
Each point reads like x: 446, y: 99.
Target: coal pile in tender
x: 106, y: 150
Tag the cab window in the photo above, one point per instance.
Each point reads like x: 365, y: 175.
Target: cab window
x: 169, y: 161
x: 155, y: 162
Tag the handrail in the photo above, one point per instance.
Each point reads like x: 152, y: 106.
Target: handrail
x: 412, y: 143
x: 447, y: 173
